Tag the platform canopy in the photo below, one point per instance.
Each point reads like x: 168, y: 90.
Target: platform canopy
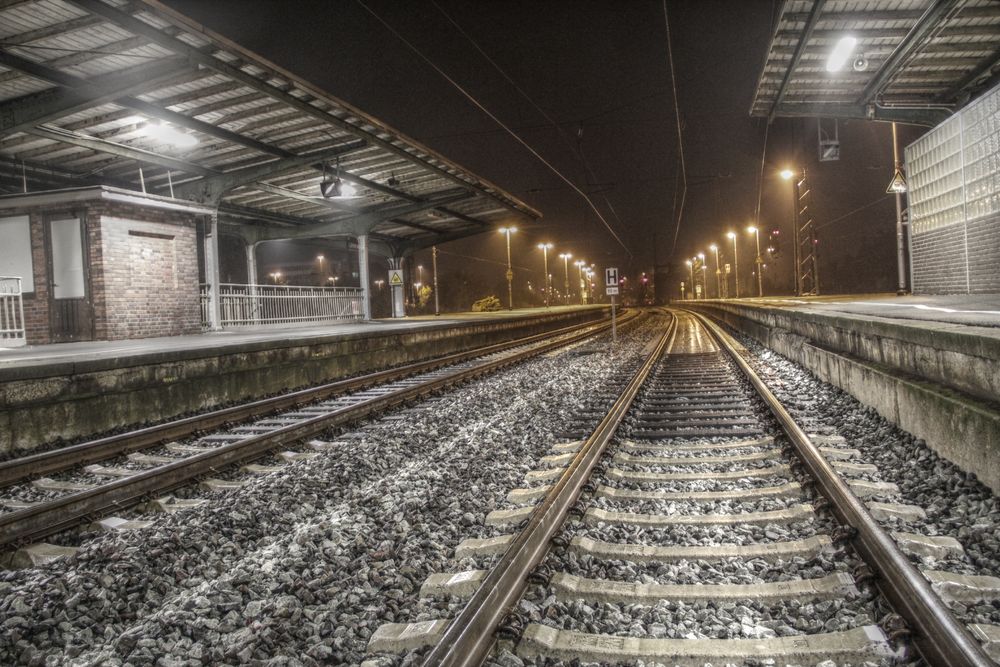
x: 914, y: 61
x: 96, y: 92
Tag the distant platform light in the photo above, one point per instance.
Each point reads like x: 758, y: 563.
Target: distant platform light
x: 169, y: 135
x: 841, y: 52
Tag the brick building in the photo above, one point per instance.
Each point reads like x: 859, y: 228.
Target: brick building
x: 100, y: 263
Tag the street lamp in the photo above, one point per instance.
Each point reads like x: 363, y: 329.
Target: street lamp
x: 718, y: 271
x: 320, y: 259
x: 276, y: 276
x: 545, y: 247
x: 691, y: 269
x: 788, y: 175
x: 579, y: 264
x: 565, y: 257
x: 510, y: 271
x: 380, y: 283
x: 759, y: 262
x: 736, y: 263
x: 704, y: 273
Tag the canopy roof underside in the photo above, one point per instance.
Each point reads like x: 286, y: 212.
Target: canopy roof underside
x: 81, y: 81
x: 915, y: 60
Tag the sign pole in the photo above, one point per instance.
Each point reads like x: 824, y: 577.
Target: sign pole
x: 611, y: 287
x: 614, y: 330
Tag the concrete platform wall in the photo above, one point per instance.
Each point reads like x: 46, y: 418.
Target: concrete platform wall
x: 70, y: 400
x: 941, y: 387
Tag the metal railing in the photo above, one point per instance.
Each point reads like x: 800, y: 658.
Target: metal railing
x: 11, y: 313
x: 252, y: 305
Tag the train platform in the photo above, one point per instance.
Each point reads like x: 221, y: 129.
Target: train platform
x: 123, y: 351
x: 974, y: 310
x: 66, y: 390
x: 951, y: 339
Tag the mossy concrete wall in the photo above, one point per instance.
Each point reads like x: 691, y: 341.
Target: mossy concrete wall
x: 939, y: 382
x: 41, y: 403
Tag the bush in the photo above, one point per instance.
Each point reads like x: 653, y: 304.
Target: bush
x: 487, y: 305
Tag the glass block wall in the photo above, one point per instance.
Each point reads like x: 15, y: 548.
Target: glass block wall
x: 953, y: 173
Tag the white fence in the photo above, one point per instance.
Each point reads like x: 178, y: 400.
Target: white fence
x: 11, y: 313
x: 250, y: 305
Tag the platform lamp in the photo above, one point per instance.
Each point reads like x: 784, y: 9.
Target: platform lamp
x: 565, y: 257
x: 758, y: 261
x: 545, y: 247
x: 507, y: 231
x: 788, y: 175
x: 736, y: 263
x: 718, y: 271
x: 579, y: 264
x: 704, y: 273
x: 691, y: 269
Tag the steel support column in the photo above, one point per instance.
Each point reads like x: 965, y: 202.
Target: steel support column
x: 212, y: 271
x: 398, y: 307
x: 364, y: 277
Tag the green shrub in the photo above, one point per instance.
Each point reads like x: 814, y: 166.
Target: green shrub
x: 487, y: 305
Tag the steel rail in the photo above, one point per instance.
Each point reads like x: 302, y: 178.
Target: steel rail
x: 469, y: 637
x: 15, y: 470
x: 940, y: 639
x: 50, y: 517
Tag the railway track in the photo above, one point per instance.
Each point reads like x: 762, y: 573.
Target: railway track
x: 699, y: 525
x: 52, y: 491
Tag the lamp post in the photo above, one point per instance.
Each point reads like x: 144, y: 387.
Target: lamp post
x: 510, y: 271
x: 704, y: 273
x: 565, y: 257
x: 545, y: 247
x: 758, y: 261
x: 718, y: 271
x: 788, y: 175
x: 579, y: 267
x: 691, y: 269
x: 320, y: 258
x: 736, y: 263
x: 434, y: 263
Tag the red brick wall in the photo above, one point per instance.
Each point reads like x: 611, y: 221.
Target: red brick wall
x: 140, y: 285
x: 144, y: 273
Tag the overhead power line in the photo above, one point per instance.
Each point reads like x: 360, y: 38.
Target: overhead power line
x: 499, y: 122
x: 680, y: 133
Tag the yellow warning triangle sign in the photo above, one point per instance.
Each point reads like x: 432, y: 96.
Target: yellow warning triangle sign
x: 395, y: 278
x: 897, y: 184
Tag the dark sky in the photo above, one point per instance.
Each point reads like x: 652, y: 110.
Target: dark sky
x: 600, y: 70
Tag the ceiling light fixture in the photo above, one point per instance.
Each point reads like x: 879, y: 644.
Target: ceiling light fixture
x: 169, y: 135
x: 332, y: 187
x: 841, y: 52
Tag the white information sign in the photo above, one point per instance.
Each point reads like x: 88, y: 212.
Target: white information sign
x: 612, y: 290
x: 611, y: 277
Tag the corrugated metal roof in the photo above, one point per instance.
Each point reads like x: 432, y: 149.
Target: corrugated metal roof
x: 80, y: 80
x: 914, y: 61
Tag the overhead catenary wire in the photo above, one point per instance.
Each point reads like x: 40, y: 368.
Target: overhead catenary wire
x: 495, y: 119
x: 678, y: 210
x: 562, y: 135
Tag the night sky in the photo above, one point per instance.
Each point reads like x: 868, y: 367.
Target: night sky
x: 600, y: 70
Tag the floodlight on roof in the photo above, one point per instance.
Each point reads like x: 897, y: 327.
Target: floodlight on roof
x: 841, y: 52
x: 169, y: 135
x: 331, y: 187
